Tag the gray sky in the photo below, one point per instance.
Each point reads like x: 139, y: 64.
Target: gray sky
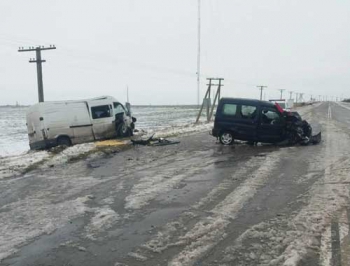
x: 151, y: 46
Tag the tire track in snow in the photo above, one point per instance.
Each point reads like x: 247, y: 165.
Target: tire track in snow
x: 210, y: 231
x: 166, y: 237
x: 291, y: 239
x: 328, y: 196
x: 160, y: 181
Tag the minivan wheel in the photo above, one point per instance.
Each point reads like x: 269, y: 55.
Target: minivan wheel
x: 64, y: 141
x: 226, y: 138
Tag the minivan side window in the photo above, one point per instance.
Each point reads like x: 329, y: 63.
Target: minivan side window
x: 101, y: 111
x: 229, y: 109
x: 269, y: 117
x: 248, y: 112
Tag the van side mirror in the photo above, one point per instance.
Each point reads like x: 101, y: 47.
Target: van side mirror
x: 128, y: 109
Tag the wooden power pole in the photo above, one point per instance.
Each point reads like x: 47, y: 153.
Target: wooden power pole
x: 281, y: 90
x: 261, y: 91
x: 39, y: 68
x: 206, y: 99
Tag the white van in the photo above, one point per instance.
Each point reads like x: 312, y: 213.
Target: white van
x: 286, y: 105
x: 71, y: 122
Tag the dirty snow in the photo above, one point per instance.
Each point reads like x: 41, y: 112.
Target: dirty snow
x: 288, y: 240
x: 328, y: 195
x: 153, y: 184
x: 208, y: 232
x: 343, y: 104
x: 49, y: 205
x: 103, y: 219
x: 31, y: 217
x: 15, y: 165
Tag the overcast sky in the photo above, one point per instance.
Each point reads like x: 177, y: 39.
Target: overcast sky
x: 151, y: 47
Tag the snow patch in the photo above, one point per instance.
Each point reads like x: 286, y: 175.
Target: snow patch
x: 181, y: 129
x: 30, y: 218
x: 103, y: 219
x: 15, y: 165
x: 137, y: 256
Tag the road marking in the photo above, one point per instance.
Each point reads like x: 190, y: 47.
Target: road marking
x: 335, y: 236
x: 329, y: 112
x: 325, y: 248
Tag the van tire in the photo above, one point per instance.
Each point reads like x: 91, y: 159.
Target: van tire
x: 226, y: 138
x: 124, y: 131
x: 64, y: 141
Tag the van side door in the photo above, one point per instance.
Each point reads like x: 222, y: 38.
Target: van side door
x: 271, y: 125
x: 102, y: 119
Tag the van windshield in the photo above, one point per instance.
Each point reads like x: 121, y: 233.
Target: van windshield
x: 118, y: 108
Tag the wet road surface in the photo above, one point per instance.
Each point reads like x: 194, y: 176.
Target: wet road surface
x: 196, y: 203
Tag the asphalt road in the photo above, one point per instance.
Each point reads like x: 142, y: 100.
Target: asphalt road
x: 196, y: 203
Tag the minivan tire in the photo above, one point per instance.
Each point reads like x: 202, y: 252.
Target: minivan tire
x: 64, y: 141
x: 226, y: 138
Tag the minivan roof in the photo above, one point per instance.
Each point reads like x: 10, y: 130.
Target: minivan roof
x: 247, y: 101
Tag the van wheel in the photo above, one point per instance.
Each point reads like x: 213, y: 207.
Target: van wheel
x: 124, y: 131
x: 64, y: 141
x: 226, y: 138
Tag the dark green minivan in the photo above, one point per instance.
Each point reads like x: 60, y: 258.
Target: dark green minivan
x: 249, y: 120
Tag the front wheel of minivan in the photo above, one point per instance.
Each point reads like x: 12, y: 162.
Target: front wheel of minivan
x: 226, y: 138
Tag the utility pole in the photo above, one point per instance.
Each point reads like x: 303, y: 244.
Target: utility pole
x: 39, y: 69
x: 127, y: 93
x: 290, y: 94
x: 207, y: 100
x: 199, y: 51
x: 261, y: 90
x: 301, y: 97
x: 281, y: 90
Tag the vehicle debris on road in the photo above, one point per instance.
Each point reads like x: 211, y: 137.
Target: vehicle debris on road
x: 151, y: 141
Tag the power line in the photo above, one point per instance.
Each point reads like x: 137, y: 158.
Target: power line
x: 38, y: 62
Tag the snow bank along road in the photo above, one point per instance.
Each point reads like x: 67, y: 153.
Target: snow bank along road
x: 196, y: 203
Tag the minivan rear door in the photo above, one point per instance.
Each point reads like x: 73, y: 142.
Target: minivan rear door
x: 271, y: 125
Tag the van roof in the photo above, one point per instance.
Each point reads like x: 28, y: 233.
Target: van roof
x: 246, y: 101
x: 79, y: 101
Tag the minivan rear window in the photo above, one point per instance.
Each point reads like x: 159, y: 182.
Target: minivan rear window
x: 229, y: 109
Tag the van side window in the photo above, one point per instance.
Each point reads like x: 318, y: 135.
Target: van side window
x: 248, y: 112
x: 229, y: 109
x: 101, y: 111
